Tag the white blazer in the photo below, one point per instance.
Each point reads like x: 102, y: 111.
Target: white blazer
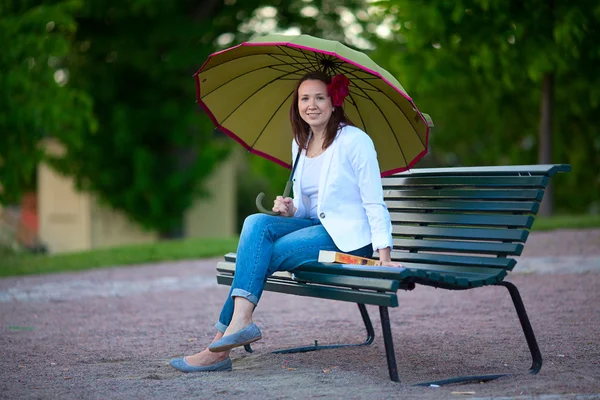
x: 350, y: 201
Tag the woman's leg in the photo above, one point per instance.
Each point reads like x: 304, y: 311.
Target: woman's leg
x: 259, y: 233
x: 288, y: 252
x: 206, y: 357
x: 303, y: 247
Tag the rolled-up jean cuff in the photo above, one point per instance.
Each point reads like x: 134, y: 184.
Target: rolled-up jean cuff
x: 245, y: 294
x: 221, y: 327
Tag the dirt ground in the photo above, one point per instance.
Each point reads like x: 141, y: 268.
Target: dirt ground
x: 109, y: 334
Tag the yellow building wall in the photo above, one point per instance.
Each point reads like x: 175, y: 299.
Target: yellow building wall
x: 113, y: 228
x: 215, y: 216
x: 63, y: 213
x: 73, y: 221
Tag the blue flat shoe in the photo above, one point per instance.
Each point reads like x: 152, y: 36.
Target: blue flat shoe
x: 183, y: 366
x: 249, y: 334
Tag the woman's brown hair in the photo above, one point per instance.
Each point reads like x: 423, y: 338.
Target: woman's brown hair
x: 301, y: 129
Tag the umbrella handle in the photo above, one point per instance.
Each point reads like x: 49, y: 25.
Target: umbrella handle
x: 261, y: 195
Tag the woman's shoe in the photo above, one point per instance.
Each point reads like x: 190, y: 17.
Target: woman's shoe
x: 249, y: 334
x: 183, y: 366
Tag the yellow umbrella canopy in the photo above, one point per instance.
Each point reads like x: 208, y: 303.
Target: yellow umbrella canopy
x: 247, y: 91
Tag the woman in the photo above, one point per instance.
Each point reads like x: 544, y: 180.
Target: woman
x: 338, y: 205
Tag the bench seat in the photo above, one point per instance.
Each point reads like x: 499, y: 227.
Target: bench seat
x: 431, y: 274
x: 452, y: 228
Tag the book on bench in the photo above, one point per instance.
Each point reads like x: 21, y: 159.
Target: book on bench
x: 344, y: 258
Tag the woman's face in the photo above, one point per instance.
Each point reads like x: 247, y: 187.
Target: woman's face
x: 314, y: 104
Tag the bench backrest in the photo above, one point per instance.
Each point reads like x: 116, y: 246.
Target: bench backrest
x: 478, y: 216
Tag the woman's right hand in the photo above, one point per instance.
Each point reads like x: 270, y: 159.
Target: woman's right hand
x: 284, y: 206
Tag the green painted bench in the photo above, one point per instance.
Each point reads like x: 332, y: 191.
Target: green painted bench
x: 453, y: 228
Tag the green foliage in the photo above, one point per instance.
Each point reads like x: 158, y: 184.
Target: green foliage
x: 255, y: 175
x: 34, y: 92
x: 154, y: 147
x: 477, y: 66
x: 169, y: 250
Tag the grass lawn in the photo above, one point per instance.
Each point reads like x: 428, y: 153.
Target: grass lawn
x: 566, y: 222
x: 27, y: 264
x: 171, y: 250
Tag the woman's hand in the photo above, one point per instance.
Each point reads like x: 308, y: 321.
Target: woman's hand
x: 385, y: 258
x: 284, y: 206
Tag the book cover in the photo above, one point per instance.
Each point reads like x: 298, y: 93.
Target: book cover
x: 343, y: 258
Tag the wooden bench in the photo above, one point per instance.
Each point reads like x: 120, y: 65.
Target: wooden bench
x: 453, y: 228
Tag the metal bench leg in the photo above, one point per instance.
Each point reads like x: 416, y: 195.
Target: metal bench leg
x: 536, y: 355
x: 370, y: 336
x: 527, y: 330
x: 389, y: 343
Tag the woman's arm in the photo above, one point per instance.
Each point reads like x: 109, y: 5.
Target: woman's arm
x: 363, y: 158
x: 385, y: 258
x: 385, y: 254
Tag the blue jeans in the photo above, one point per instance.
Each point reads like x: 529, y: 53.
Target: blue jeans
x: 273, y: 243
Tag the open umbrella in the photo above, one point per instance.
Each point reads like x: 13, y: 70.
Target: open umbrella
x: 247, y: 92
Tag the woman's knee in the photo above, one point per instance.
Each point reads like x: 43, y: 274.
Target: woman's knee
x: 256, y: 220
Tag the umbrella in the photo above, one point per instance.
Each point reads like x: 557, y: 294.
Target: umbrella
x: 247, y: 92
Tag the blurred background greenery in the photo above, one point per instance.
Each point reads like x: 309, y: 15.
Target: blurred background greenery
x: 506, y: 82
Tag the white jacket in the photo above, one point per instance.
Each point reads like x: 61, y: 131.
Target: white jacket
x: 350, y: 202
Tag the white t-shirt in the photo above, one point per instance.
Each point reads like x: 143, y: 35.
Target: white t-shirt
x: 310, y: 183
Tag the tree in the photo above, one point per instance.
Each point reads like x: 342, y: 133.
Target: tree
x: 154, y: 148
x: 34, y: 89
x: 497, y: 76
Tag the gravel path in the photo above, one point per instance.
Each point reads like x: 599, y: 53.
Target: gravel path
x: 108, y: 334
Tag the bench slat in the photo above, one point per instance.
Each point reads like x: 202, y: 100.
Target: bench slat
x: 472, y: 181
x: 347, y: 281
x: 511, y: 221
x: 479, y: 234
x: 464, y: 205
x: 454, y: 281
x: 420, y: 273
x: 458, y: 246
x: 324, y: 292
x: 228, y: 267
x: 457, y: 270
x: 388, y: 285
x: 454, y: 260
x: 430, y: 275
x: 541, y: 169
x: 478, y: 194
x: 423, y: 258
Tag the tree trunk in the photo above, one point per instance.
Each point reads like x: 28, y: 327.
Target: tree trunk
x: 545, y: 138
x: 177, y: 232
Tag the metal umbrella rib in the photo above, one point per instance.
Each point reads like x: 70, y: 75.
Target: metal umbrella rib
x: 391, y: 129
x: 375, y: 103
x: 237, y: 77
x: 285, y: 48
x: 255, y: 92
x: 270, y: 119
